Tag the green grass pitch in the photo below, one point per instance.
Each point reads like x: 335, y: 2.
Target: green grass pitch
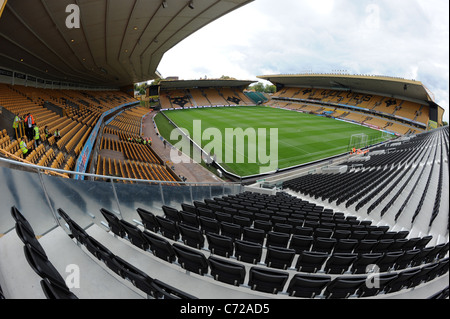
x: 302, y: 138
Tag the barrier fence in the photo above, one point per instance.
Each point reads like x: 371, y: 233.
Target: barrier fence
x: 38, y: 195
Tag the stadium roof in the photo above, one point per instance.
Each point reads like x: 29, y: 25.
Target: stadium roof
x: 118, y: 43
x: 390, y: 86
x: 183, y: 84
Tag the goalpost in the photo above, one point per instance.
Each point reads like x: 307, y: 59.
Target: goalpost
x: 361, y: 140
x: 358, y: 141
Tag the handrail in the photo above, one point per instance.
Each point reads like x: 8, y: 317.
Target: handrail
x: 16, y: 158
x: 33, y: 166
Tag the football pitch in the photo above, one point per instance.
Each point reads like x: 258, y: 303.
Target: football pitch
x: 300, y: 138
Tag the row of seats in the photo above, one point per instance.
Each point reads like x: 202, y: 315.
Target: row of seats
x: 131, y: 169
x: 203, y: 97
x: 153, y: 287
x: 261, y: 278
x: 136, y: 161
x: 248, y: 245
x: 52, y: 283
x: 389, y: 166
x: 130, y: 150
x: 242, y: 225
x: 84, y: 108
x: 401, y: 108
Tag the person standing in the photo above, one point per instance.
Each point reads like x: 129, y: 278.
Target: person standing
x: 37, y: 137
x: 23, y: 147
x: 16, y: 124
x: 47, y: 133
x: 29, y: 122
x: 57, y: 135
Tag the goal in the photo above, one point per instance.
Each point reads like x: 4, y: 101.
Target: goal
x: 358, y: 141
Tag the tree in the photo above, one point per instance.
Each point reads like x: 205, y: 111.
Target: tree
x: 141, y: 88
x: 271, y: 89
x: 226, y: 77
x: 156, y: 82
x: 260, y: 87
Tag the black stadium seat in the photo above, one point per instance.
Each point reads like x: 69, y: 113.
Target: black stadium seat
x: 191, y: 260
x: 345, y: 245
x: 403, y: 281
x: 137, y: 277
x: 64, y: 215
x: 301, y: 243
x: 160, y: 247
x: 42, y: 266
x: 104, y: 254
x: 363, y: 261
x: 310, y: 261
x: 53, y: 291
x: 264, y: 225
x: 343, y: 287
x: 161, y: 290
x: 168, y: 228
x: 406, y: 259
x: 189, y: 219
x: 192, y: 236
x: 339, y: 263
x: 134, y: 235
x: 148, y: 220
x: 277, y: 239
x: 189, y: 208
x: 220, y: 245
x: 323, y: 244
x: 376, y: 285
x: 253, y: 235
x: 279, y: 258
x: 209, y: 225
x: 171, y: 213
x: 248, y: 251
x: 266, y: 280
x: 231, y: 230
x: 113, y: 222
x: 19, y: 218
x: 29, y: 239
x: 307, y: 286
x: 226, y: 271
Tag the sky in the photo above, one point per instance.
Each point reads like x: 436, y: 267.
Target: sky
x: 400, y: 38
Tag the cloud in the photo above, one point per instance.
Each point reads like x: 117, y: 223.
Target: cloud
x: 402, y: 38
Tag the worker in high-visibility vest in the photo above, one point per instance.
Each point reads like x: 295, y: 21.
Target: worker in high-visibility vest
x: 29, y: 122
x: 47, y: 133
x: 37, y: 136
x: 23, y: 147
x: 57, y: 135
x: 16, y: 124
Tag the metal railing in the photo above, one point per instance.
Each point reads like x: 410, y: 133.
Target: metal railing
x: 38, y: 194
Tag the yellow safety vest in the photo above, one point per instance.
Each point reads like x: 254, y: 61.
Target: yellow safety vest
x: 36, y: 135
x: 16, y: 122
x: 23, y: 147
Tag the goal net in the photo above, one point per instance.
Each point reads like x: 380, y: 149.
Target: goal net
x: 358, y: 141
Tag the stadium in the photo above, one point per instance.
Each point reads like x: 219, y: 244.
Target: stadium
x: 334, y: 187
